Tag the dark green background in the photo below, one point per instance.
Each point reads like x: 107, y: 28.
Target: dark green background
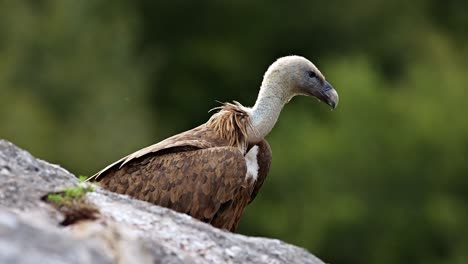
x: 382, y: 179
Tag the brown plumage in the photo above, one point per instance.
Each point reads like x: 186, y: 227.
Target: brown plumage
x: 213, y: 171
x: 201, y: 172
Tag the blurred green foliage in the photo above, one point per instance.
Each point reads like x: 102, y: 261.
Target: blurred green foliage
x: 382, y: 179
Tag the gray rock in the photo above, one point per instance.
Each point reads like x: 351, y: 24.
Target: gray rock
x: 24, y: 240
x: 127, y: 230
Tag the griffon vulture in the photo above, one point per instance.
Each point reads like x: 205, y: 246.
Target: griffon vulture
x: 212, y: 172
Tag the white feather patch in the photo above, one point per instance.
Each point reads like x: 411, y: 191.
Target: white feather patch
x: 252, y: 164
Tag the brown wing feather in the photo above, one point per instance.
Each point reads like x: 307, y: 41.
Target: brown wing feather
x: 197, y: 182
x: 197, y: 138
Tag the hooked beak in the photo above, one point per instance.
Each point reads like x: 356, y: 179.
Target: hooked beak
x: 327, y: 94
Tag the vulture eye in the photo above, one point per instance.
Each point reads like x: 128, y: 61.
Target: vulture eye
x: 312, y: 74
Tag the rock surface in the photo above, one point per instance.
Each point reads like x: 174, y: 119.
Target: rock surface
x: 126, y: 231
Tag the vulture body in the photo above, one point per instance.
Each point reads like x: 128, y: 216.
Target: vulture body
x: 212, y: 172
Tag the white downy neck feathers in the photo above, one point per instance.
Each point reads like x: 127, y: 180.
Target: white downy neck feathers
x: 252, y: 163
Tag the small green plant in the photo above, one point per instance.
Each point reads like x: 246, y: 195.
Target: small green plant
x: 71, y: 203
x: 55, y: 198
x: 82, y: 178
x: 69, y: 195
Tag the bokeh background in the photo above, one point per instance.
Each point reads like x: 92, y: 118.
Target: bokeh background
x: 382, y: 179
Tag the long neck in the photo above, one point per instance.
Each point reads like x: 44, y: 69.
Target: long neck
x: 265, y: 112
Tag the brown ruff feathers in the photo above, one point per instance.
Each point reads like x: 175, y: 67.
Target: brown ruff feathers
x: 232, y: 123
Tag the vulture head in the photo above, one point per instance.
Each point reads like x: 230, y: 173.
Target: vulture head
x: 285, y: 78
x: 295, y: 75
